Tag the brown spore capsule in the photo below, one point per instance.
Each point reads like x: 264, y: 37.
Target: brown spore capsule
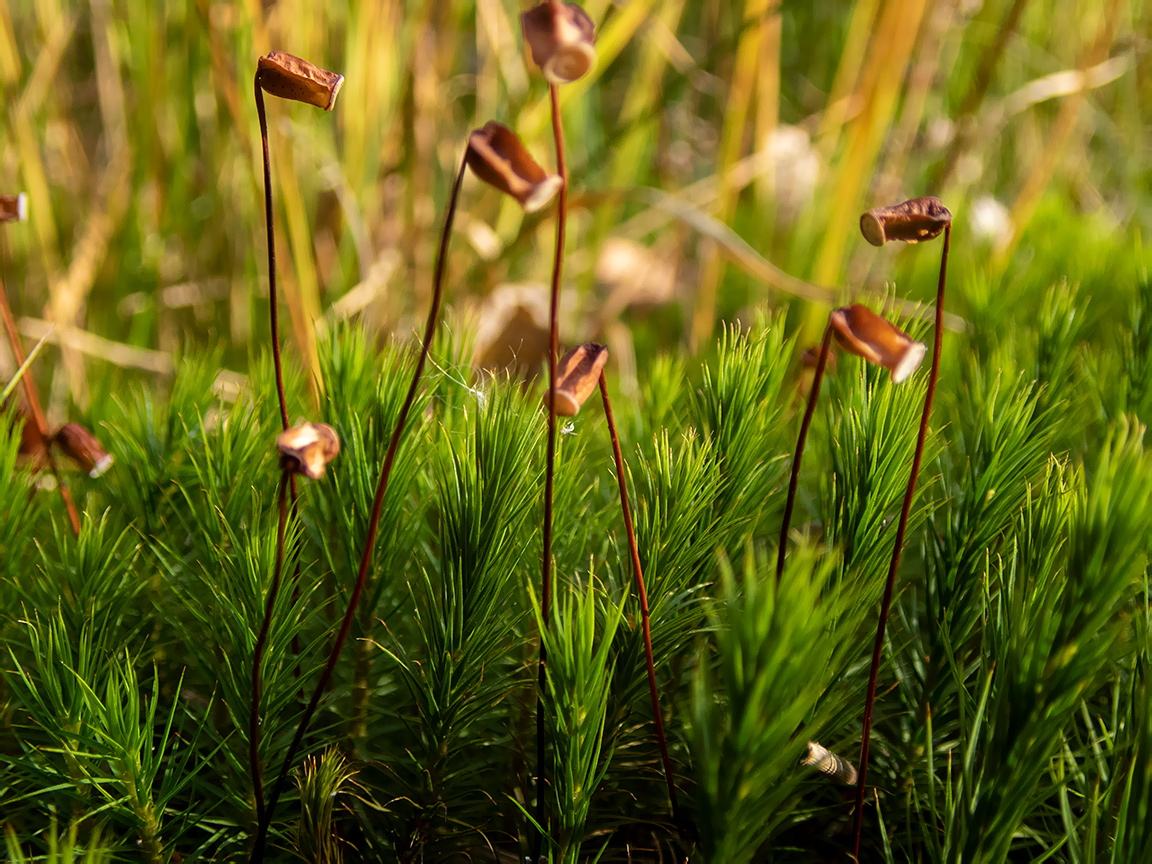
x: 289, y: 77
x: 308, y: 448
x: 83, y: 448
x: 498, y: 157
x: 13, y: 208
x: 860, y: 331
x: 577, y: 374
x: 562, y: 40
x: 912, y: 221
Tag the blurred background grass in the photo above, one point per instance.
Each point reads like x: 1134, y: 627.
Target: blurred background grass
x: 773, y: 124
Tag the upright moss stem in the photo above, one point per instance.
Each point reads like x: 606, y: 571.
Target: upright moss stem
x: 642, y: 593
x: 373, y: 520
x: 37, y: 412
x: 258, y: 653
x: 897, y: 549
x: 550, y: 453
x: 813, y: 395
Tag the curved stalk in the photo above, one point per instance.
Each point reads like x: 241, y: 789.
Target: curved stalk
x: 550, y: 454
x: 821, y: 361
x: 373, y: 521
x: 258, y: 654
x: 37, y: 412
x: 272, y: 312
x: 274, y: 328
x: 643, y: 595
x: 894, y: 565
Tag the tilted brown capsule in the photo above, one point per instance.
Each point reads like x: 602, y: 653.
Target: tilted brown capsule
x: 911, y: 221
x: 84, y: 448
x: 13, y: 208
x: 308, y: 448
x: 577, y: 374
x: 289, y: 77
x: 498, y: 157
x: 827, y: 762
x: 860, y: 331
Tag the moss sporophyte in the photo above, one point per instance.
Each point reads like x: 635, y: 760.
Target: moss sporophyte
x: 562, y: 39
x: 911, y: 222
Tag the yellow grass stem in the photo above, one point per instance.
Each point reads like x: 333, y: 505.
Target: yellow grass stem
x: 305, y: 311
x: 839, y: 107
x: 31, y: 102
x: 9, y: 55
x: 639, y: 139
x: 767, y: 112
x: 880, y: 82
x: 890, y: 184
x: 1057, y: 138
x: 903, y: 140
x: 732, y: 146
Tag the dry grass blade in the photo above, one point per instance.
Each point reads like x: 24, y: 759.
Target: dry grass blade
x: 116, y: 353
x: 71, y: 292
x: 24, y: 366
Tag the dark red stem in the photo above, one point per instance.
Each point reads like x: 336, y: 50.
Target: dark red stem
x: 894, y: 565
x: 643, y: 594
x: 821, y: 361
x: 272, y: 313
x: 37, y: 412
x: 374, y: 519
x: 550, y: 454
x: 258, y: 654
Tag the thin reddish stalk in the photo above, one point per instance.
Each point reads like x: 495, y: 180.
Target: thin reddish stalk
x: 258, y: 653
x: 37, y: 412
x: 373, y: 521
x: 272, y: 312
x: 894, y: 565
x: 821, y: 361
x: 550, y: 454
x: 643, y: 594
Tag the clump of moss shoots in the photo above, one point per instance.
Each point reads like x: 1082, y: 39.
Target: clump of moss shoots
x: 316, y: 544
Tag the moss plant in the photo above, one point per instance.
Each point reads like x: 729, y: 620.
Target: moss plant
x: 912, y: 221
x: 862, y: 332
x: 1029, y: 680
x: 581, y: 370
x: 373, y: 521
x: 470, y: 157
x: 642, y: 596
x: 288, y: 77
x: 562, y: 39
x: 14, y: 208
x: 151, y: 664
